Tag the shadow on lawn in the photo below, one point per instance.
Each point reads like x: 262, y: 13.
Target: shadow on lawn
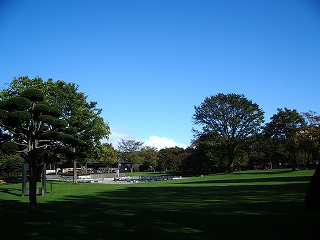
x: 270, y: 171
x: 11, y: 191
x: 256, y: 181
x: 173, y: 211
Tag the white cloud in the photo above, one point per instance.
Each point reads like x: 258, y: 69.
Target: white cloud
x: 117, y: 134
x: 154, y: 141
x: 163, y: 142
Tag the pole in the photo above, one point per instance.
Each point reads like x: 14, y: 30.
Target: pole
x: 44, y: 179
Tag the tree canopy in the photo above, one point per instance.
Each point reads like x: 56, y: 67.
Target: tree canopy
x: 108, y: 155
x: 129, y: 151
x: 32, y: 126
x: 284, y: 128
x: 38, y: 117
x: 10, y: 164
x: 150, y: 157
x: 82, y: 117
x: 171, y: 158
x: 229, y: 119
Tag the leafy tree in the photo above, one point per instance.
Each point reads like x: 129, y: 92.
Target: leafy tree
x: 309, y: 137
x: 241, y: 160
x: 10, y: 164
x: 256, y: 152
x: 150, y: 157
x: 231, y: 119
x: 84, y: 117
x: 129, y: 151
x: 193, y: 161
x: 32, y: 125
x: 108, y: 155
x: 284, y: 128
x: 210, y: 156
x: 64, y: 125
x: 88, y: 125
x: 171, y: 158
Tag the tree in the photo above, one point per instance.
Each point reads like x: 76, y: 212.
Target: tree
x: 129, y: 151
x: 33, y: 126
x: 208, y: 155
x: 84, y: 117
x: 171, y: 158
x: 230, y: 119
x: 108, y: 155
x: 10, y: 164
x: 309, y: 137
x: 264, y: 152
x: 284, y: 128
x: 63, y: 132
x: 150, y: 157
x: 241, y: 160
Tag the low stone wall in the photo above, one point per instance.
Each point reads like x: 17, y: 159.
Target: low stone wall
x: 145, y: 178
x: 81, y: 178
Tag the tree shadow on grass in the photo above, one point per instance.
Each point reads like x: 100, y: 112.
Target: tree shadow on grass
x: 173, y: 211
x: 11, y: 191
x: 270, y: 171
x: 254, y: 181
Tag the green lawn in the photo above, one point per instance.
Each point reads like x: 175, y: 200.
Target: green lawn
x: 247, y: 205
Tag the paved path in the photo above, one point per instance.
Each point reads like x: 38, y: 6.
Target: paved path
x: 100, y: 177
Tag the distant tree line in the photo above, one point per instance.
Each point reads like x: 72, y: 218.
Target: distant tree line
x: 234, y: 136
x: 133, y: 152
x: 230, y: 135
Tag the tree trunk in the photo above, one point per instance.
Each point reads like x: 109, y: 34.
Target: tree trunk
x: 231, y: 156
x: 231, y: 166
x: 308, y: 159
x: 75, y: 177
x: 33, y: 186
x: 230, y: 162
x: 294, y: 163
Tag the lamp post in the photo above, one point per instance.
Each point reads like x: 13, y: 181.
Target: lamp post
x: 118, y: 170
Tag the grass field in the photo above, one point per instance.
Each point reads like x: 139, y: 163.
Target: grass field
x: 247, y: 205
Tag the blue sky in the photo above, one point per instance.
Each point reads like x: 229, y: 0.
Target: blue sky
x: 148, y: 63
